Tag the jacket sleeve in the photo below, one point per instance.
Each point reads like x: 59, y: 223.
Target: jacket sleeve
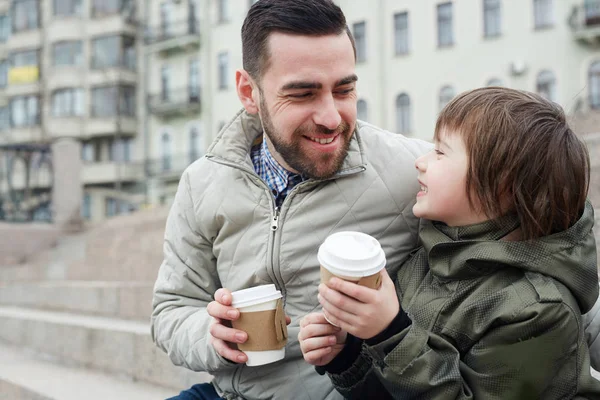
x: 504, y: 364
x: 187, y: 280
x: 592, y: 334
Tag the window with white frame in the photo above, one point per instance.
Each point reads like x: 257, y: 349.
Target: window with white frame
x: 401, y: 33
x: 4, y: 119
x: 546, y: 85
x: 68, y: 102
x: 3, y: 73
x: 165, y: 83
x: 120, y: 150
x: 165, y: 147
x: 86, y: 206
x: 68, y: 53
x: 594, y: 85
x: 24, y: 111
x: 362, y: 111
x: 359, y: 31
x: 88, y: 152
x: 403, y: 114
x: 166, y: 20
x: 25, y: 58
x: 492, y: 18
x: 445, y: 25
x: 543, y: 13
x: 446, y: 95
x: 68, y: 7
x: 222, y: 11
x: 194, y: 80
x: 223, y: 59
x: 25, y: 15
x: 4, y: 28
x: 194, y: 144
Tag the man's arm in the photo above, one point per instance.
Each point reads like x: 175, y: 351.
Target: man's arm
x: 186, y: 283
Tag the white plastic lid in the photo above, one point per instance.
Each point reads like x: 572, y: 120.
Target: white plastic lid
x: 352, y: 254
x: 254, y: 295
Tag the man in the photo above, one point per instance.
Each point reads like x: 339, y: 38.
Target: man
x: 287, y: 171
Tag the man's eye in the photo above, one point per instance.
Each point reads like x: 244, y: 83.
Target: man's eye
x: 346, y: 91
x: 300, y: 95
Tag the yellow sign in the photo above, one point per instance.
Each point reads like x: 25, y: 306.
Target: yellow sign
x: 27, y: 74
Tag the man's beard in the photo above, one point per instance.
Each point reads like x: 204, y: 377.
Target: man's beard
x: 309, y: 164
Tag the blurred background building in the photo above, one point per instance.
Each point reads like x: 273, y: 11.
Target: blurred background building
x: 146, y: 85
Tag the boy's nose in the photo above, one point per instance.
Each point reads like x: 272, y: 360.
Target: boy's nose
x: 421, y: 164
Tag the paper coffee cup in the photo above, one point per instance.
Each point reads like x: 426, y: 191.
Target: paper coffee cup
x: 352, y: 256
x: 263, y: 319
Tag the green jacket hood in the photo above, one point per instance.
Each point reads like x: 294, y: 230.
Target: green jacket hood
x: 568, y: 256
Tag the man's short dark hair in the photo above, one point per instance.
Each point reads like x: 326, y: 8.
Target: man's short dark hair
x: 297, y: 17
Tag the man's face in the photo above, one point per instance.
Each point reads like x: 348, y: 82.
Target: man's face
x: 308, y: 102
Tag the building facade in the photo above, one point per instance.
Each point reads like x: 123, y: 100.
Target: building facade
x: 68, y: 69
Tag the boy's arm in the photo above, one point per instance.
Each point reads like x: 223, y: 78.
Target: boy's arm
x: 186, y: 283
x: 515, y: 360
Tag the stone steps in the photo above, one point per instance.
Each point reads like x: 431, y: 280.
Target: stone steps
x: 126, y: 300
x: 113, y: 346
x: 23, y: 377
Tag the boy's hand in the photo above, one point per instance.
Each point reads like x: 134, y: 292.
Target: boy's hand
x: 358, y: 310
x: 320, y: 341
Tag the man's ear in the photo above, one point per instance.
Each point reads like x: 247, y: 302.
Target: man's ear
x: 245, y: 87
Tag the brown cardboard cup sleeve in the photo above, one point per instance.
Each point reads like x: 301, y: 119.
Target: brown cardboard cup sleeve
x: 266, y: 330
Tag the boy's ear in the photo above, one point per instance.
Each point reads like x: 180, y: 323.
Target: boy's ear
x: 246, y: 88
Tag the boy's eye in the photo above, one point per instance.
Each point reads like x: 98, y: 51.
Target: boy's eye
x: 438, y: 152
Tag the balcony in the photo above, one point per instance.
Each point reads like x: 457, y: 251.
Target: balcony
x: 178, y: 102
x: 109, y: 172
x: 175, y: 37
x: 585, y: 22
x: 170, y: 168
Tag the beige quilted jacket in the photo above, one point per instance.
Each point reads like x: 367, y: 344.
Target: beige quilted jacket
x: 224, y: 231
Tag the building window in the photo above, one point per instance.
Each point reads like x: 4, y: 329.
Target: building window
x: 361, y: 110
x: 492, y: 18
x: 166, y: 24
x: 24, y: 111
x: 88, y: 152
x: 4, y: 28
x: 25, y: 15
x: 68, y: 53
x: 592, y: 12
x: 113, y: 101
x: 223, y: 70
x: 194, y: 144
x: 194, y: 80
x: 165, y: 145
x: 401, y: 39
x: 113, y: 51
x: 68, y: 7
x: 4, y: 119
x: 223, y: 11
x: 86, y: 207
x: 543, y: 15
x: 24, y: 58
x: 120, y: 150
x: 111, y: 207
x: 445, y: 25
x: 68, y: 103
x: 546, y: 85
x: 192, y: 17
x: 595, y: 85
x: 495, y: 82
x: 359, y: 30
x: 446, y: 95
x: 403, y: 114
x: 165, y: 83
x: 3, y: 73
x: 102, y: 8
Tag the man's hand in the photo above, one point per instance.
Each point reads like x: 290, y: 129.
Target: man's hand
x: 224, y: 337
x: 320, y: 341
x: 359, y: 310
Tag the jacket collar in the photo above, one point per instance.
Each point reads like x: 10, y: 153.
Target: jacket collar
x: 232, y: 145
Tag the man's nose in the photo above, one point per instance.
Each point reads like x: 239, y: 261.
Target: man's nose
x: 328, y: 115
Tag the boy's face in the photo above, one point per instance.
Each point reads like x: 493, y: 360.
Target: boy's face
x: 442, y: 174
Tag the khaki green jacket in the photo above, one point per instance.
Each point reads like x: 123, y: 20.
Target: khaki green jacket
x: 222, y: 232
x: 491, y: 319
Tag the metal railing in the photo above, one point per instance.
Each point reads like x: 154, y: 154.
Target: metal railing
x: 174, y: 99
x: 166, y: 31
x: 586, y: 15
